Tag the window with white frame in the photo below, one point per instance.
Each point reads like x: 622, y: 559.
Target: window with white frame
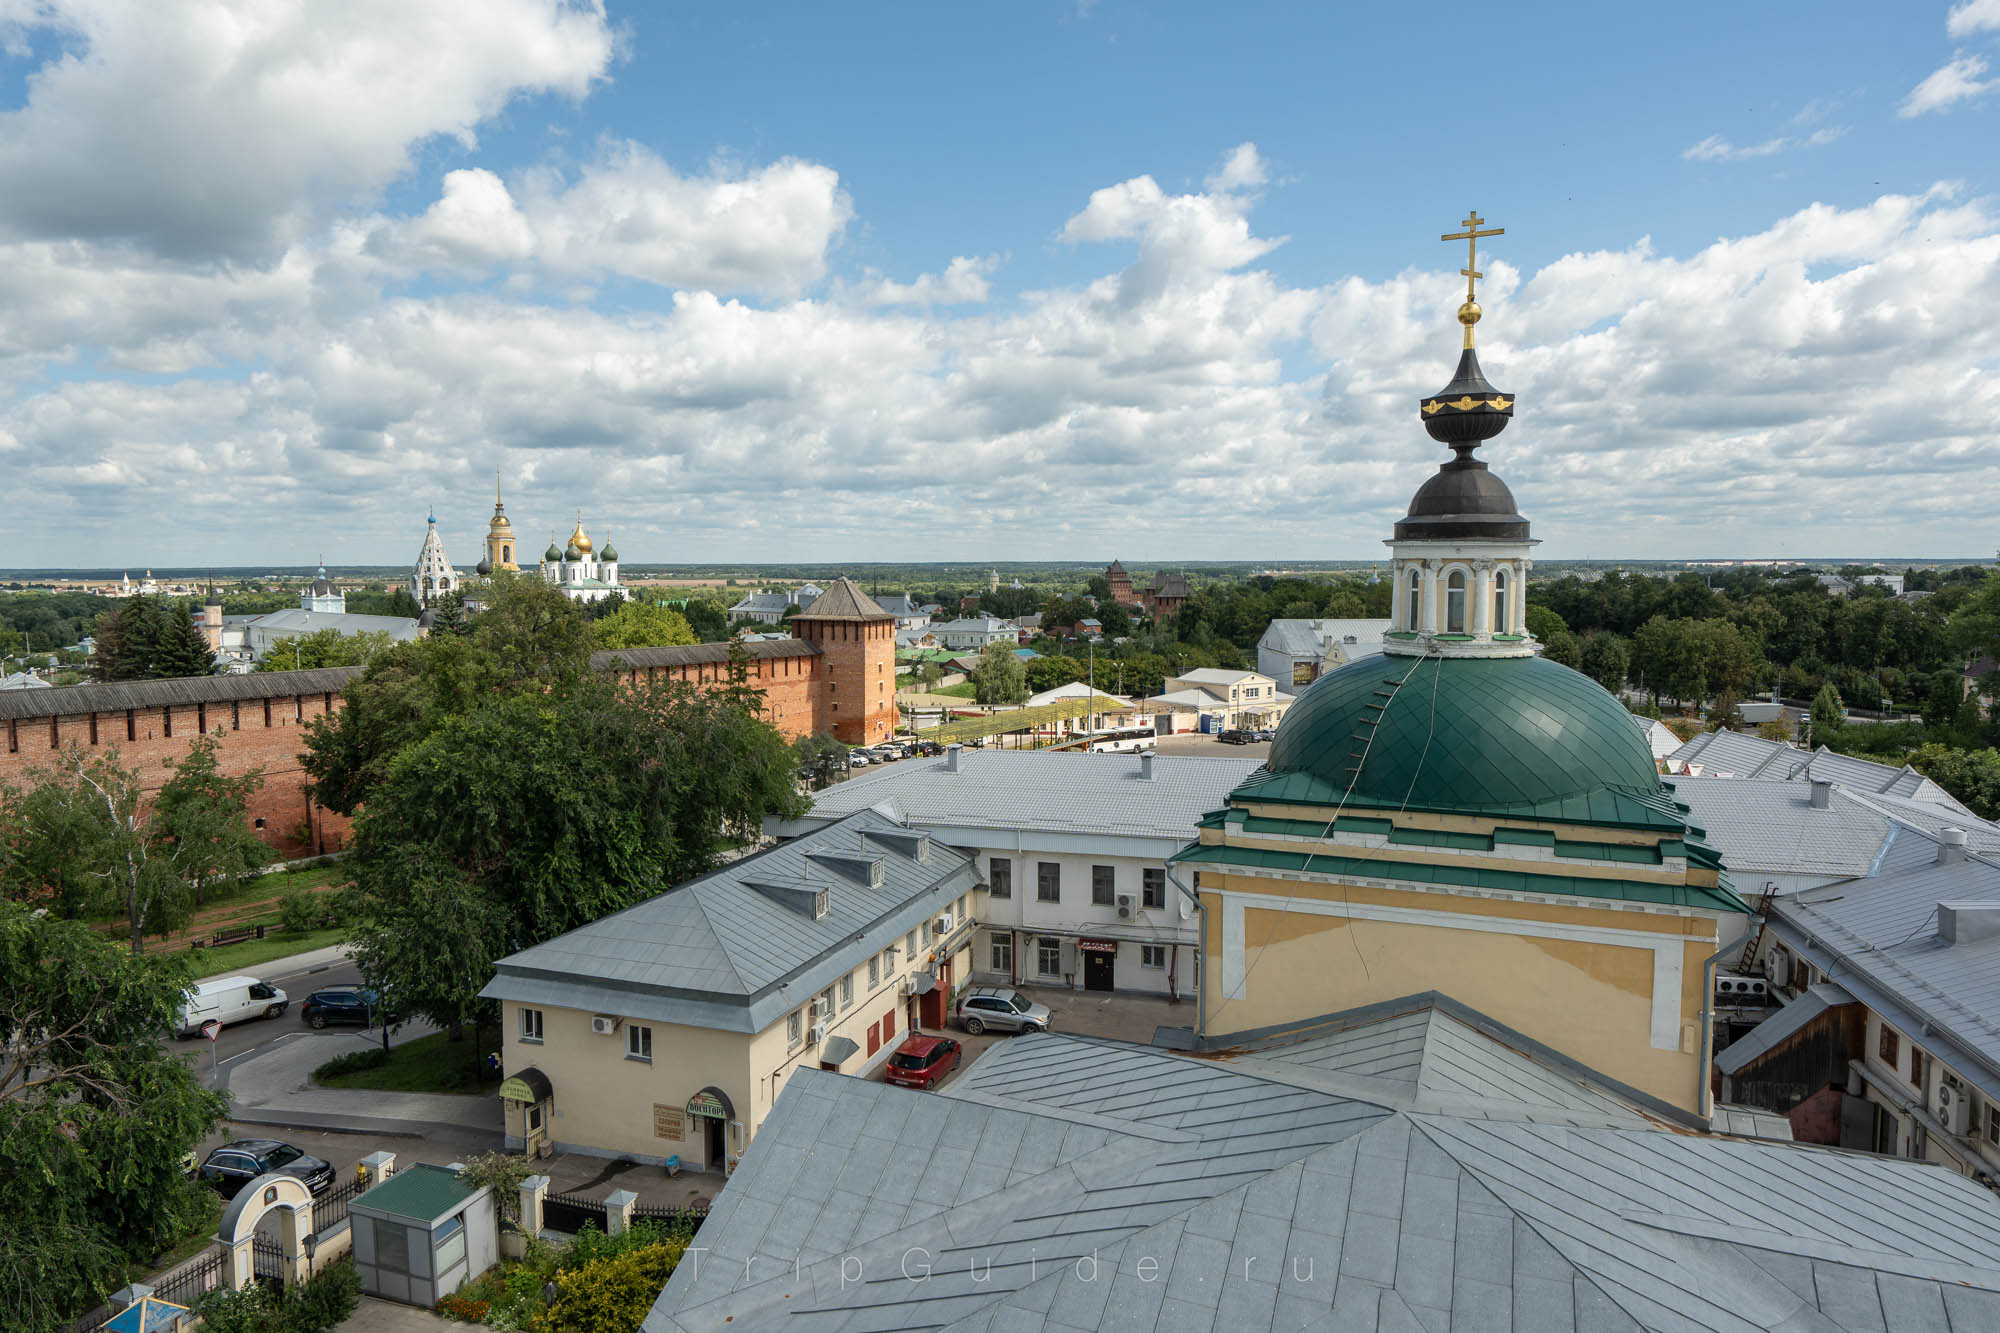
x: 1413, y: 603
x: 1003, y: 954
x: 1502, y: 604
x: 847, y: 991
x: 1000, y: 877
x: 910, y: 945
x: 889, y: 961
x: 874, y: 972
x: 531, y: 1025
x: 1454, y: 602
x: 1048, y: 882
x: 795, y: 1027
x: 638, y: 1042
x: 1153, y: 886
x: 1048, y: 955
x: 1153, y: 955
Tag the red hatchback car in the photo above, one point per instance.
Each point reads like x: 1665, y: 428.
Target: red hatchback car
x: 921, y: 1061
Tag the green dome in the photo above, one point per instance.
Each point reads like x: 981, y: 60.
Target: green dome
x: 609, y: 555
x: 1474, y: 733
x: 552, y: 554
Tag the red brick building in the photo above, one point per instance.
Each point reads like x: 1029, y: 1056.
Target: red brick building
x: 1166, y: 594
x: 1121, y: 584
x: 837, y: 675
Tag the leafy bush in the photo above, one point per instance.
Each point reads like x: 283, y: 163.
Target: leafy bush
x: 610, y: 1295
x: 352, y: 1063
x: 297, y: 912
x: 318, y: 1305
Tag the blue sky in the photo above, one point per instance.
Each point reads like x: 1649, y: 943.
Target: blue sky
x: 846, y: 282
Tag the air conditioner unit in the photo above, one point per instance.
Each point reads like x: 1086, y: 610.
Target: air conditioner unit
x: 1952, y: 1106
x: 1733, y: 988
x: 1774, y: 965
x: 818, y: 1033
x: 1126, y: 907
x: 910, y: 984
x: 603, y: 1024
x: 942, y: 926
x: 820, y: 1009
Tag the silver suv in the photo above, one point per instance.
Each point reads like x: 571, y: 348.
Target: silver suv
x: 1001, y: 1009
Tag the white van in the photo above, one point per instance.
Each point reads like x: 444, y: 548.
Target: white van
x: 230, y: 1000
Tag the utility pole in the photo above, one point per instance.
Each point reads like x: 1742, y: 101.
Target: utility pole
x: 1092, y: 723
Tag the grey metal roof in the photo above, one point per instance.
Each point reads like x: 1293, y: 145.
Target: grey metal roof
x: 1047, y: 790
x: 116, y: 697
x: 268, y: 629
x: 1311, y: 638
x: 1766, y: 1036
x: 1735, y: 754
x: 1877, y: 938
x: 727, y: 951
x: 1070, y: 1184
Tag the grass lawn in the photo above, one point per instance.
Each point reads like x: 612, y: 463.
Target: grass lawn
x: 275, y: 944
x: 428, y: 1064
x: 964, y: 690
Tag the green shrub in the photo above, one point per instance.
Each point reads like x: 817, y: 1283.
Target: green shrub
x: 352, y: 1063
x: 318, y: 1305
x: 297, y: 912
x: 610, y: 1295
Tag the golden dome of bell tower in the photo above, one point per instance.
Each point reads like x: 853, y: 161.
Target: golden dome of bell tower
x: 500, y: 544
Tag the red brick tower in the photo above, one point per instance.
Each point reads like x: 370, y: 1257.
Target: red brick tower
x: 855, y: 697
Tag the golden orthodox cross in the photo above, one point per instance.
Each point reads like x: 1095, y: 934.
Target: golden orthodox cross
x: 1468, y: 314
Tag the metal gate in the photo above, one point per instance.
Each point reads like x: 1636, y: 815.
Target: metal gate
x: 267, y: 1261
x: 568, y: 1212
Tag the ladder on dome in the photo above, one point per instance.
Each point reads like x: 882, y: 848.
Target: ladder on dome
x: 1372, y: 713
x: 1755, y: 938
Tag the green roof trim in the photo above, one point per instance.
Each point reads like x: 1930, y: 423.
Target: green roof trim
x: 1721, y: 899
x: 1424, y: 837
x: 1525, y: 837
x: 1606, y: 808
x: 1609, y: 851
x: 421, y: 1193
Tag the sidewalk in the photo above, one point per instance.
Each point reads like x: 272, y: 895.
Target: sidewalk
x: 291, y: 965
x: 272, y: 1086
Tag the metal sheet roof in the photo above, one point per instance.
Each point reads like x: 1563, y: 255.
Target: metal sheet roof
x: 1765, y: 1037
x: 1736, y: 754
x: 419, y: 1193
x: 1877, y: 938
x: 719, y: 952
x: 1070, y: 1184
x: 1046, y: 790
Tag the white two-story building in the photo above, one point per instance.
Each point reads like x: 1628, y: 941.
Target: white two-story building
x: 1071, y: 851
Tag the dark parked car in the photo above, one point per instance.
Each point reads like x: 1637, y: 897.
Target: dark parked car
x: 234, y: 1165
x: 1233, y: 737
x: 346, y: 1004
x: 921, y: 1061
x: 929, y: 749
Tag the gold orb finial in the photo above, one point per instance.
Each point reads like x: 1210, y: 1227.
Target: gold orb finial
x: 1468, y: 314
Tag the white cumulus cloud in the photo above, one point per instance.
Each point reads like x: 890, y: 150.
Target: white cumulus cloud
x: 215, y: 128
x: 1973, y: 16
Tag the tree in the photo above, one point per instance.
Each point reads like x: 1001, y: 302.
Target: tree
x: 449, y: 616
x: 709, y: 622
x: 323, y: 648
x: 201, y: 821
x: 642, y: 625
x: 531, y: 631
x: 181, y: 650
x: 128, y: 639
x: 95, y: 1116
x: 1973, y: 776
x: 1563, y: 647
x: 1606, y: 659
x: 1542, y: 622
x: 1000, y: 678
x: 821, y: 757
x: 1828, y: 716
x: 1046, y: 673
x: 544, y: 810
x: 1725, y: 716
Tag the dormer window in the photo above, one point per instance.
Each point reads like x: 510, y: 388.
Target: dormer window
x: 819, y: 905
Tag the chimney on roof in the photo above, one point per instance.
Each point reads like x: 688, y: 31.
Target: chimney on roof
x: 1951, y: 846
x: 951, y: 758
x: 1822, y: 793
x: 1962, y: 923
x: 1146, y: 768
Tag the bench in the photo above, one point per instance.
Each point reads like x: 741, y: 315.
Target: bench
x: 236, y: 936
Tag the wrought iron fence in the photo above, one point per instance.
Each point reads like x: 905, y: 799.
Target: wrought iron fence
x: 685, y: 1218
x: 267, y: 1260
x: 331, y: 1206
x: 568, y: 1213
x: 183, y: 1285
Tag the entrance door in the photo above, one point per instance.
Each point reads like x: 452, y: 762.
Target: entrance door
x: 712, y: 1141
x: 1097, y: 969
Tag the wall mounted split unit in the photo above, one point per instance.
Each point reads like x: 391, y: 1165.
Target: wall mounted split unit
x: 1125, y: 907
x: 603, y: 1024
x: 942, y: 926
x: 818, y: 1033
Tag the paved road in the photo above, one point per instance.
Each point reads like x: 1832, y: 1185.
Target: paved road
x: 297, y: 983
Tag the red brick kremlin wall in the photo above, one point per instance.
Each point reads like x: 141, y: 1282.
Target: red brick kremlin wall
x: 260, y: 719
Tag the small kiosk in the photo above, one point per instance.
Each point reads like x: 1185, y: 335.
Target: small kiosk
x: 422, y: 1234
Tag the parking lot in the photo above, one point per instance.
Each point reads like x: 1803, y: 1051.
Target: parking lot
x: 1194, y: 742
x: 1115, y: 1015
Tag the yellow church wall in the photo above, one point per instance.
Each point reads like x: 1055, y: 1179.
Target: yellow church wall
x: 1589, y: 999
x: 1565, y: 913
x: 1444, y: 856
